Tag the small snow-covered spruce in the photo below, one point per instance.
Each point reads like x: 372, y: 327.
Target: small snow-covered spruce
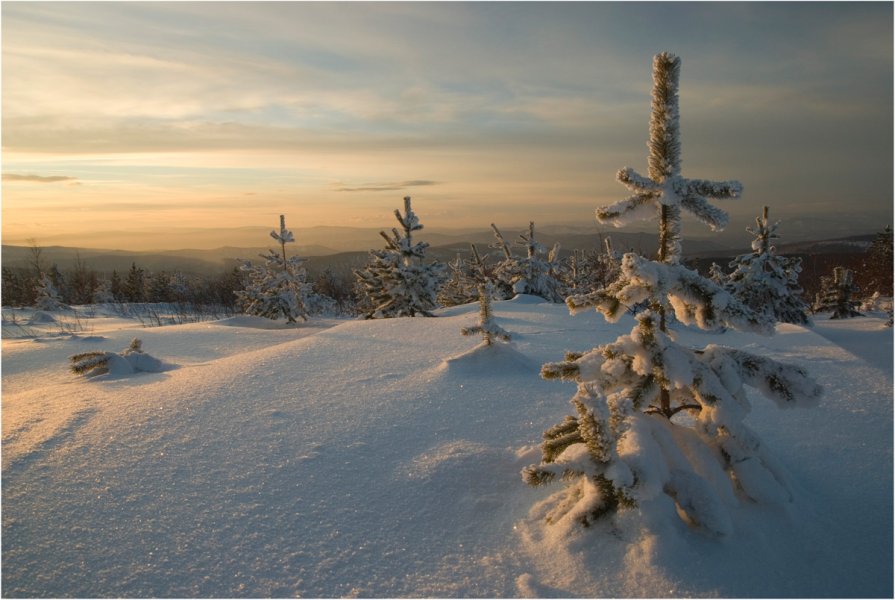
x: 536, y: 273
x: 487, y: 327
x: 626, y: 444
x: 47, y: 295
x: 130, y: 360
x: 837, y: 295
x: 766, y: 282
x: 395, y: 282
x: 278, y: 287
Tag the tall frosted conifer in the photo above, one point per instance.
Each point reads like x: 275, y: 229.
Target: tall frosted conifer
x: 624, y: 445
x: 396, y: 282
x: 279, y: 287
x: 766, y: 282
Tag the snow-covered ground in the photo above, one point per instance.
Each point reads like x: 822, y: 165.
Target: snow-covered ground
x: 381, y: 459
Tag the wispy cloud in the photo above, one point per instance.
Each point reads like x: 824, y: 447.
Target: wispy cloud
x: 39, y: 178
x: 386, y: 187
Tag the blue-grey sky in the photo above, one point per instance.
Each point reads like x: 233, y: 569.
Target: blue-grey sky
x: 139, y: 116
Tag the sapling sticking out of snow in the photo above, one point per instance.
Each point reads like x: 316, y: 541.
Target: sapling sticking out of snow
x: 837, y: 295
x: 396, y: 281
x: 627, y: 445
x: 766, y: 282
x: 487, y: 327
x: 130, y: 360
x: 279, y: 287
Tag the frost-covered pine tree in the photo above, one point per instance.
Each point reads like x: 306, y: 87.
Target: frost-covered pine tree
x: 489, y: 329
x: 536, y: 273
x: 278, y: 287
x: 48, y: 297
x: 627, y: 443
x: 396, y: 282
x: 766, y: 282
x: 837, y: 295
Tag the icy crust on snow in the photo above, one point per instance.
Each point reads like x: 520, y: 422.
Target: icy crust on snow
x: 347, y: 462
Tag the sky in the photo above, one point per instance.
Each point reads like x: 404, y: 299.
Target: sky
x: 159, y: 117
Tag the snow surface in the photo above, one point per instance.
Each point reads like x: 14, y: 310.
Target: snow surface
x: 381, y: 458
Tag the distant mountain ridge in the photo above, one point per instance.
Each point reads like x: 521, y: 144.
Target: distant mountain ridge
x: 443, y: 246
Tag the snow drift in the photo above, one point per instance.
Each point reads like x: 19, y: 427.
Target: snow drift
x: 352, y: 458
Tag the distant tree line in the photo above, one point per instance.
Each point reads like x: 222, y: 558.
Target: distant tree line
x: 501, y: 268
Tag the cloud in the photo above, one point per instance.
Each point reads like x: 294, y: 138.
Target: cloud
x: 387, y: 187
x: 39, y: 178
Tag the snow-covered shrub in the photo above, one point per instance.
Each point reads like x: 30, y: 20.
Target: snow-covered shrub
x: 837, y: 295
x: 629, y: 443
x: 278, y: 287
x: 458, y: 288
x: 103, y: 293
x: 717, y: 274
x: 395, y: 282
x: 489, y: 329
x: 48, y: 297
x: 766, y: 282
x: 585, y: 271
x: 131, y: 360
x: 877, y: 303
x: 536, y: 273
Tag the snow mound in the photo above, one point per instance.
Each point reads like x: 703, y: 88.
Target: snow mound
x: 110, y: 365
x: 453, y: 455
x: 484, y: 360
x: 41, y: 317
x: 527, y: 299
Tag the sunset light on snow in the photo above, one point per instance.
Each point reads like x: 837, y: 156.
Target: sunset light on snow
x: 151, y: 116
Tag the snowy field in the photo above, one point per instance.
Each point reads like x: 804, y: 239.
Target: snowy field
x: 382, y: 458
